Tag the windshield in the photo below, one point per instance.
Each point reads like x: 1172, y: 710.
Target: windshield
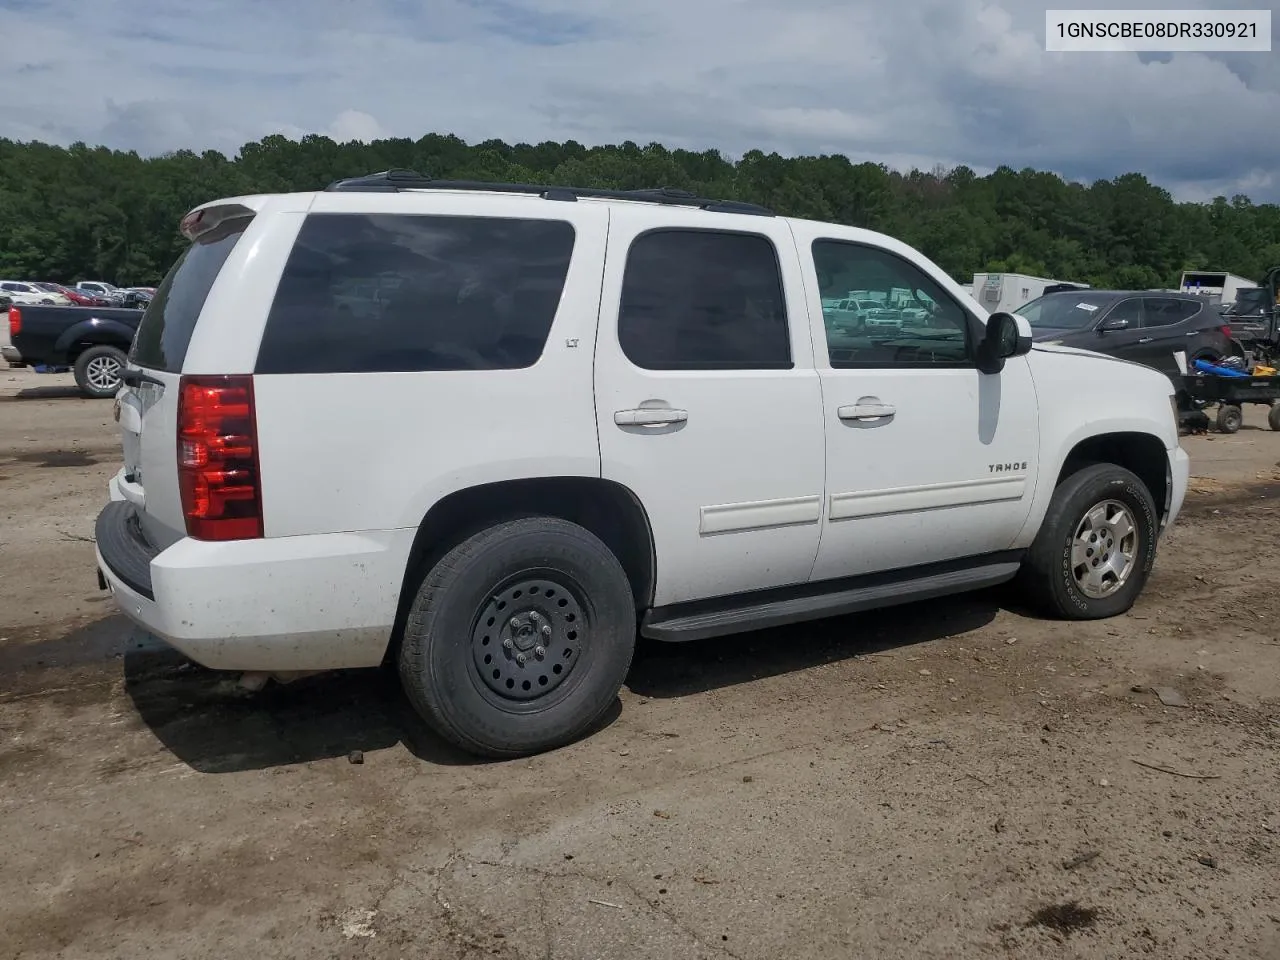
x: 1064, y: 311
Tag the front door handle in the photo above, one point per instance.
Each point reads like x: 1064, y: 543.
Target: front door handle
x: 867, y: 408
x: 1146, y: 339
x: 650, y: 417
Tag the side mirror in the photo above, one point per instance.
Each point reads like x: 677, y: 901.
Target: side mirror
x: 1112, y: 326
x: 1004, y: 338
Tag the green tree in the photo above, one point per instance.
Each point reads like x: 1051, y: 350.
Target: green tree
x: 82, y: 212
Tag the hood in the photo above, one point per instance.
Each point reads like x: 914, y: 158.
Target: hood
x: 1042, y: 334
x: 1092, y: 354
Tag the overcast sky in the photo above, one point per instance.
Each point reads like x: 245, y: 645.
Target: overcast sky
x: 907, y: 83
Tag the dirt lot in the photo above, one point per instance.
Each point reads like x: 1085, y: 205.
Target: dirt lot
x: 951, y: 780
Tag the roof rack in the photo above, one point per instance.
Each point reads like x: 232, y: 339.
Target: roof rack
x: 393, y: 181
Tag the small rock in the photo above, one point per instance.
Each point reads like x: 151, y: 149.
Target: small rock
x: 568, y: 856
x: 1171, y: 697
x: 1104, y: 782
x: 951, y: 679
x: 355, y: 756
x: 926, y: 673
x: 1210, y: 862
x: 1166, y: 833
x: 1011, y: 641
x: 624, y: 753
x: 662, y: 814
x: 748, y: 778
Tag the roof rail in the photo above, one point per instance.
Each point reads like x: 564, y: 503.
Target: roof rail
x: 393, y: 181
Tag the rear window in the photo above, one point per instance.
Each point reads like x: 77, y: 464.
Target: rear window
x: 166, y: 328
x: 398, y: 292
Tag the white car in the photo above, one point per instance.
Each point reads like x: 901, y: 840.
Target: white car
x: 100, y: 288
x: 580, y: 413
x: 20, y: 292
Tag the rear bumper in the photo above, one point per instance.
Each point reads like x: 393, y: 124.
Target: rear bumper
x: 12, y: 356
x: 322, y: 602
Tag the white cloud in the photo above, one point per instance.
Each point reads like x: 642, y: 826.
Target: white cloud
x: 918, y: 81
x: 355, y: 125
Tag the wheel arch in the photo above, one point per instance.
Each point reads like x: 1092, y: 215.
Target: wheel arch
x: 1143, y: 454
x: 93, y: 332
x: 608, y: 509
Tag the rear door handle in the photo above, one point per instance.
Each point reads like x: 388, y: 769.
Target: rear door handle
x: 1146, y: 339
x: 649, y: 417
x: 866, y: 409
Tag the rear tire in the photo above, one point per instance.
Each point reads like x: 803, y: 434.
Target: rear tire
x: 1098, y: 517
x: 519, y: 638
x: 1273, y: 416
x: 1230, y: 418
x: 98, y: 369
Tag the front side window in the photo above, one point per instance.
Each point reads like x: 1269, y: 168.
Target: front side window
x: 703, y: 300
x: 368, y: 293
x: 1130, y: 311
x: 906, y: 319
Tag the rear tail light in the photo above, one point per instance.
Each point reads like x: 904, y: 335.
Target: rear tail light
x: 1226, y: 330
x: 15, y: 321
x: 218, y: 473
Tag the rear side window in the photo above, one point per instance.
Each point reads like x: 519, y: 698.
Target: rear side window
x: 166, y: 328
x: 702, y: 300
x: 1165, y: 311
x: 397, y: 292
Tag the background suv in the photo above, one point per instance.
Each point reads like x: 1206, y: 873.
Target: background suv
x: 1143, y: 326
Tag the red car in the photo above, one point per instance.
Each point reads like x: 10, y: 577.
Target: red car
x: 78, y: 297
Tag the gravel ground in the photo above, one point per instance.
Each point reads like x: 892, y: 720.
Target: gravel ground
x: 952, y: 779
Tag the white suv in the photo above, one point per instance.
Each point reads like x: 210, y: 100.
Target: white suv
x: 488, y: 432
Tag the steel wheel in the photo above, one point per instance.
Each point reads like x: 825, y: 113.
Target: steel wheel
x: 529, y: 637
x: 1104, y: 549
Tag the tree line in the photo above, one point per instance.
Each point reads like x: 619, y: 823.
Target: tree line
x: 81, y: 212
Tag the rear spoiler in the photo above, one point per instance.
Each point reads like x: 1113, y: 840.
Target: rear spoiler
x: 203, y: 219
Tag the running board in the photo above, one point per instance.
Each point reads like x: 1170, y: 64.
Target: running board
x: 740, y: 614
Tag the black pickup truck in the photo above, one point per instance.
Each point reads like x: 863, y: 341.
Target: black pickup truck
x: 91, y: 341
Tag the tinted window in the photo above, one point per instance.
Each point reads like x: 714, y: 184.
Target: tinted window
x: 1190, y: 308
x: 910, y: 321
x: 700, y: 300
x: 1163, y: 311
x: 1130, y: 311
x: 166, y: 328
x: 393, y: 292
x: 1065, y: 311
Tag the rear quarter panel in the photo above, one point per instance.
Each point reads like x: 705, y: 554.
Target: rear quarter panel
x: 1083, y: 395
x: 374, y: 451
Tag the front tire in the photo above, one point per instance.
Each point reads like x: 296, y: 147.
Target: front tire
x: 98, y: 370
x: 1096, y: 546
x: 519, y: 638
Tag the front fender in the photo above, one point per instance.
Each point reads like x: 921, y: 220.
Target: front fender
x: 1083, y: 396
